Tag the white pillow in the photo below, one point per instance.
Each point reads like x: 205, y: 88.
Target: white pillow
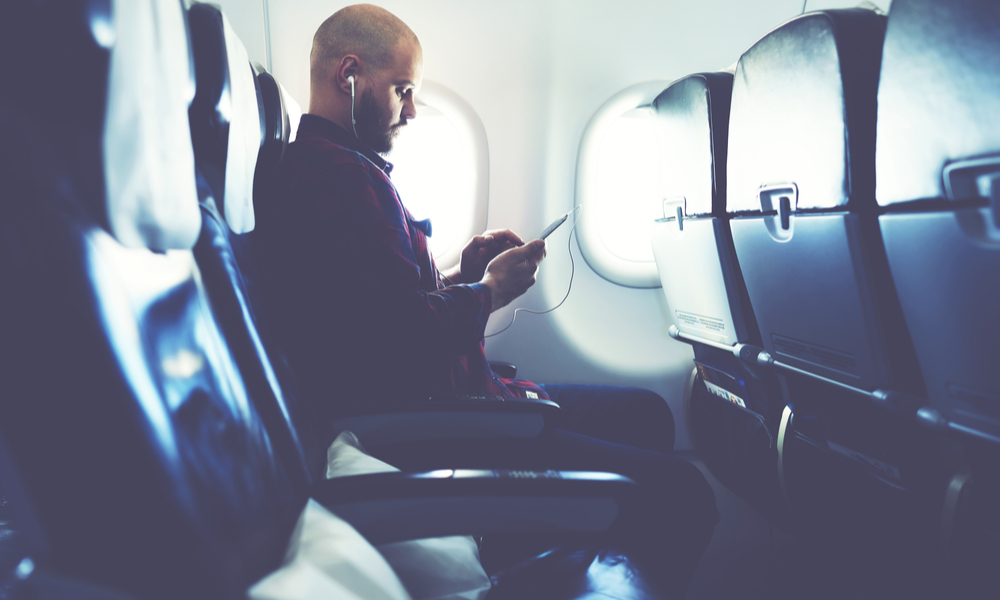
x: 445, y: 568
x: 327, y: 558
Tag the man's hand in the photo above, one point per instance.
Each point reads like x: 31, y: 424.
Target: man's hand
x: 512, y: 272
x: 480, y: 251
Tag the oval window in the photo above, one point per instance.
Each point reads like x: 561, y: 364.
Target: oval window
x: 620, y: 188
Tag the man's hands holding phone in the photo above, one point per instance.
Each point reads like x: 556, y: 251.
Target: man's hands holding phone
x: 502, y: 261
x: 481, y: 250
x: 513, y: 271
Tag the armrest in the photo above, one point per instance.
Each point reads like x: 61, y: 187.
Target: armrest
x: 389, y: 507
x: 449, y: 418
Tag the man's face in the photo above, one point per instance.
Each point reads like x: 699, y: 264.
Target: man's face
x: 386, y: 103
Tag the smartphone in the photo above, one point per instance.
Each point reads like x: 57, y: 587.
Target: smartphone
x: 555, y: 225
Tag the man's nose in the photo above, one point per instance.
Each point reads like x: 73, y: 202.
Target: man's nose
x: 409, y: 109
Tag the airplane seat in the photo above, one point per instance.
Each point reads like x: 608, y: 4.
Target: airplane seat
x: 277, y: 129
x: 229, y: 131
x: 145, y: 462
x: 938, y: 166
x: 735, y: 408
x: 801, y: 198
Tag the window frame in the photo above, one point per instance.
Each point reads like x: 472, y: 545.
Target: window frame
x: 617, y: 270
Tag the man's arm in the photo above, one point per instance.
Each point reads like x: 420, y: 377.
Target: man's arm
x: 512, y: 272
x: 398, y: 301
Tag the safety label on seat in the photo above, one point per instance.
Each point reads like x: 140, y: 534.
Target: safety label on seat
x: 700, y: 322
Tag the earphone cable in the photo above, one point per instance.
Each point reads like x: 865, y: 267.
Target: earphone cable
x: 572, y: 273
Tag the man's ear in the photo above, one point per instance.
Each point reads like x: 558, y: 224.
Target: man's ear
x: 349, y: 66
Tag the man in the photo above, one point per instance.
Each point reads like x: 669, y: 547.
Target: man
x: 362, y: 313
x: 397, y: 331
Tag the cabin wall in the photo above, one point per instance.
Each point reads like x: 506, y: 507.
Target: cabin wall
x: 536, y: 71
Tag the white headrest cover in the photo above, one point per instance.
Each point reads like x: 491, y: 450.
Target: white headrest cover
x: 244, y: 136
x: 294, y: 112
x: 152, y: 200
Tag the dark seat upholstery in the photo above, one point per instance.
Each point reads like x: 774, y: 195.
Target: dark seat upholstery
x: 124, y: 410
x: 223, y: 254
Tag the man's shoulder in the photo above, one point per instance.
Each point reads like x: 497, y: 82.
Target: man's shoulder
x: 312, y: 157
x: 309, y: 147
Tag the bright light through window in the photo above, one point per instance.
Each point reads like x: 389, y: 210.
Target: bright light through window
x: 629, y: 188
x: 619, y: 184
x: 434, y: 170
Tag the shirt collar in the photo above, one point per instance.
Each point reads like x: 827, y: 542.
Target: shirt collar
x: 338, y: 135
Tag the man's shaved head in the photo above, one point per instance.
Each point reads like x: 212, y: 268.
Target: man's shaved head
x: 369, y: 32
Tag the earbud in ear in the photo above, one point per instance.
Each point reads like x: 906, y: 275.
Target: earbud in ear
x: 354, y: 124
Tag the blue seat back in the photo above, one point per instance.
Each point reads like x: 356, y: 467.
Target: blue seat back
x: 224, y: 255
x: 938, y: 160
x: 143, y: 453
x: 692, y: 243
x: 801, y: 194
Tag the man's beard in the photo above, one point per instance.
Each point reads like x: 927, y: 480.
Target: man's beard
x: 372, y: 124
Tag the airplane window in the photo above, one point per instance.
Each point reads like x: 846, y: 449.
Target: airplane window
x: 628, y: 185
x: 441, y: 169
x: 619, y: 185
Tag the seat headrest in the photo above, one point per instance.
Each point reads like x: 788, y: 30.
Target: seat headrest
x: 276, y: 123
x: 939, y: 94
x: 246, y: 132
x: 227, y: 119
x: 693, y: 117
x: 803, y: 111
x: 152, y: 200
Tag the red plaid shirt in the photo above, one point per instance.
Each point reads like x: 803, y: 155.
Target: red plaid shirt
x: 351, y: 291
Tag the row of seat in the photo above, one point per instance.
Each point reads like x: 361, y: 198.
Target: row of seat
x: 150, y: 444
x: 830, y: 246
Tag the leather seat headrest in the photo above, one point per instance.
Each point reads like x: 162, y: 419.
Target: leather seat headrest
x: 693, y: 114
x: 276, y: 124
x: 227, y: 120
x: 803, y: 111
x: 938, y: 97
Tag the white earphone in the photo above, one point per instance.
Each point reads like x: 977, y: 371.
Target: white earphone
x: 353, y: 122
